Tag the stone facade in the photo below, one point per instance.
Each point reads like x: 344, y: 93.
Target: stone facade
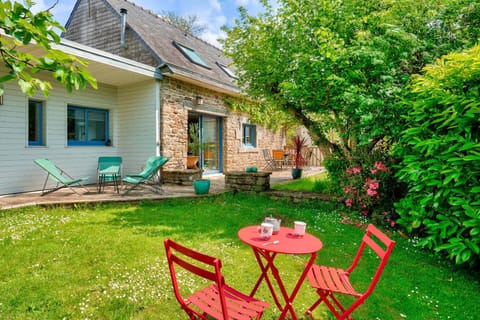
x: 97, y: 23
x: 177, y: 97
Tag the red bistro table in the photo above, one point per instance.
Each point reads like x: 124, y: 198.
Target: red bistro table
x: 265, y: 252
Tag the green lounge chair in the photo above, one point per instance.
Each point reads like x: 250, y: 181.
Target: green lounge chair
x: 63, y: 179
x: 147, y: 176
x: 109, y: 169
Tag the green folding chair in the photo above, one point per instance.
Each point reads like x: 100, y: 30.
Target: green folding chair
x: 147, y: 177
x: 63, y: 179
x: 109, y: 170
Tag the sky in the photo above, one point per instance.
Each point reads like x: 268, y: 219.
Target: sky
x: 212, y: 13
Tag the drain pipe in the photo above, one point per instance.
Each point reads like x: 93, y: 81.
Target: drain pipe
x: 123, y: 12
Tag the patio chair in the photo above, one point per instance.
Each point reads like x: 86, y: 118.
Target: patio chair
x: 217, y: 300
x: 63, y: 179
x: 109, y: 169
x: 147, y: 177
x: 331, y: 281
x: 270, y: 162
x: 279, y: 158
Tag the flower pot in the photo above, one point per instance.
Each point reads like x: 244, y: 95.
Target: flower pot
x: 201, y: 186
x: 297, y: 173
x: 192, y: 162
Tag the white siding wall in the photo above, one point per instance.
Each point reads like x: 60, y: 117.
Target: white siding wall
x: 137, y: 120
x: 126, y: 106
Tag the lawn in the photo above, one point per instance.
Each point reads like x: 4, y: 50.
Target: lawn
x: 314, y: 183
x: 108, y: 261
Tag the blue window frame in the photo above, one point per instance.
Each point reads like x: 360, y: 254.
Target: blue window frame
x: 87, y: 126
x: 249, y: 135
x: 35, y: 123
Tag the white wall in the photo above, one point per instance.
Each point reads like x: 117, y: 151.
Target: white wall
x: 131, y: 119
x: 137, y: 121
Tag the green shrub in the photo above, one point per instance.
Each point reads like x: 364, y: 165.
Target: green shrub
x: 441, y: 158
x: 368, y: 185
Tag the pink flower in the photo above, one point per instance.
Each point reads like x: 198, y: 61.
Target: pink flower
x: 380, y: 166
x: 372, y: 192
x: 356, y: 170
x: 374, y: 171
x: 372, y: 184
x: 346, y: 189
x: 392, y: 223
x: 348, y: 202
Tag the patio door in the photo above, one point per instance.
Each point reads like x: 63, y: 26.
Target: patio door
x: 210, y: 137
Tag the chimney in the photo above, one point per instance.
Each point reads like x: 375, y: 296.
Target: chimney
x: 123, y: 12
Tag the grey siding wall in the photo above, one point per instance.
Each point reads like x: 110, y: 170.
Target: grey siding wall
x: 95, y: 25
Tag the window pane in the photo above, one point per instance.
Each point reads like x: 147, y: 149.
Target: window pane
x: 76, y: 125
x: 87, y: 126
x: 96, y: 126
x: 249, y: 135
x: 192, y: 55
x: 35, y: 123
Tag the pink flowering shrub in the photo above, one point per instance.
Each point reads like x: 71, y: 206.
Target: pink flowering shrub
x: 369, y: 189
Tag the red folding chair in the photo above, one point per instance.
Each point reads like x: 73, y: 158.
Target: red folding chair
x: 217, y: 300
x: 329, y: 281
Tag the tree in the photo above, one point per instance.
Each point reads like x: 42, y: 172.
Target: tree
x: 22, y: 27
x: 188, y: 23
x: 343, y: 66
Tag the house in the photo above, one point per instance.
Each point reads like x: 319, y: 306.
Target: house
x: 55, y: 127
x: 197, y: 79
x: 154, y: 83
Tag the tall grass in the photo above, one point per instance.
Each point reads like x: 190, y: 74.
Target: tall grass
x: 108, y: 261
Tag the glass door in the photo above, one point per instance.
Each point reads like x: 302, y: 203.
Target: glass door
x: 205, y: 141
x: 210, y: 136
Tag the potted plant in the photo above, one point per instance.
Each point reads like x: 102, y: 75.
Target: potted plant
x: 201, y: 186
x: 298, y: 144
x: 193, y: 146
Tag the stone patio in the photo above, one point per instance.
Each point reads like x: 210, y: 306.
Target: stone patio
x: 66, y: 196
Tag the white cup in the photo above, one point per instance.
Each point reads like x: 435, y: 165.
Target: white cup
x: 265, y: 230
x: 299, y: 229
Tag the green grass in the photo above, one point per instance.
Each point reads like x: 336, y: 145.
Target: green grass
x: 108, y: 261
x: 315, y: 183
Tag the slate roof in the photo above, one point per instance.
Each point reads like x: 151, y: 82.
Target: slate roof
x: 160, y: 35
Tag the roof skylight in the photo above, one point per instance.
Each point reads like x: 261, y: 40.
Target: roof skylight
x: 227, y: 70
x: 191, y: 55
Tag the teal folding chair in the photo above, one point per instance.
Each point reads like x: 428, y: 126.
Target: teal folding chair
x: 147, y: 177
x: 63, y: 179
x: 109, y: 170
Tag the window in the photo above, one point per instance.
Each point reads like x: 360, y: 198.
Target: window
x: 36, y: 123
x: 227, y: 70
x: 87, y: 127
x: 191, y: 55
x: 249, y: 135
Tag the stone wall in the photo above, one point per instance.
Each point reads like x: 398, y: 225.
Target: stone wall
x: 178, y: 99
x: 181, y: 177
x: 247, y: 181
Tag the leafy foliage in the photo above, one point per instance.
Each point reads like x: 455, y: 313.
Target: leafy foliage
x: 368, y: 186
x: 23, y: 27
x: 188, y: 23
x: 441, y: 158
x: 340, y: 67
x: 299, y: 143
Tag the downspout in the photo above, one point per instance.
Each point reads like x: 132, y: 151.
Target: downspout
x: 123, y: 13
x: 158, y: 118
